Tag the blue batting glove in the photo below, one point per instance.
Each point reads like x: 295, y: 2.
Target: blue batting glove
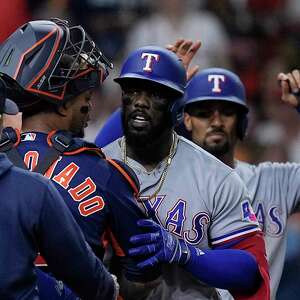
x: 159, y: 244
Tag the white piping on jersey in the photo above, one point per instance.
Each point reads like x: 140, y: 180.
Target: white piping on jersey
x: 240, y: 234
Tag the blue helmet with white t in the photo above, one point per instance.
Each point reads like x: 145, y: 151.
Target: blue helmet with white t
x: 160, y: 67
x: 222, y: 85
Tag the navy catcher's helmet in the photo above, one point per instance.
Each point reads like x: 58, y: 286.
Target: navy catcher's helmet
x: 160, y: 67
x: 6, y: 105
x: 51, y: 60
x: 219, y: 84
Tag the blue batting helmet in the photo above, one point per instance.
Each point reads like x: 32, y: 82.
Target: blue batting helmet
x: 219, y: 84
x: 160, y: 67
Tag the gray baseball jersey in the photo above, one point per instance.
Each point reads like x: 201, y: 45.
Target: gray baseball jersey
x: 201, y: 200
x: 275, y: 194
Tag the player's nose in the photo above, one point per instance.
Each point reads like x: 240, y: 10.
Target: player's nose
x: 142, y: 99
x: 216, y: 118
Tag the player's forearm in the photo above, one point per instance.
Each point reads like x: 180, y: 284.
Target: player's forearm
x: 227, y: 269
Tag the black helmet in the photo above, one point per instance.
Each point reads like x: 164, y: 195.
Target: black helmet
x: 6, y: 105
x: 51, y: 60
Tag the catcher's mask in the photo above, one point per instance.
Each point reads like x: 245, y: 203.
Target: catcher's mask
x: 51, y: 60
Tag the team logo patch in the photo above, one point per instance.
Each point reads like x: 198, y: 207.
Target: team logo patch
x: 29, y: 137
x: 248, y: 213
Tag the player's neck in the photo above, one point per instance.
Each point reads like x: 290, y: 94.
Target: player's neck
x: 43, y: 122
x: 227, y: 158
x: 152, y: 154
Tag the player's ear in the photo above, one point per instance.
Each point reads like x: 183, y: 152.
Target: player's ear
x: 187, y: 121
x: 62, y: 110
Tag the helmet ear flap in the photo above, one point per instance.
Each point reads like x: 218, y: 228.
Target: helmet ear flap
x: 177, y: 111
x: 242, y: 125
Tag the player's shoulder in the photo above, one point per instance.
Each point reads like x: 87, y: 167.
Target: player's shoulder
x: 200, y: 157
x: 264, y: 167
x: 123, y: 176
x: 25, y: 181
x: 113, y: 149
x: 119, y: 171
x: 87, y: 155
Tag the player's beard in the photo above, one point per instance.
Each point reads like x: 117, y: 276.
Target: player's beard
x: 80, y: 121
x: 143, y: 138
x: 217, y: 150
x: 147, y: 141
x: 79, y: 133
x: 77, y: 129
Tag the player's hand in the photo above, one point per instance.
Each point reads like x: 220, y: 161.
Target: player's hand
x: 290, y: 87
x: 158, y: 246
x: 186, y: 50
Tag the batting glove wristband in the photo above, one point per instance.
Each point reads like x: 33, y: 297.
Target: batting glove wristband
x: 158, y: 246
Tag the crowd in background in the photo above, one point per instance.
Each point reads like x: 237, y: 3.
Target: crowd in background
x: 257, y: 39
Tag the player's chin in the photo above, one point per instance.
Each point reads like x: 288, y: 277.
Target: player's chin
x: 138, y: 129
x: 216, y: 139
x: 217, y: 149
x: 137, y: 136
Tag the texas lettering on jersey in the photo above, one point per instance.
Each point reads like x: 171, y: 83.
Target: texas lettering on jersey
x: 270, y: 220
x: 177, y: 215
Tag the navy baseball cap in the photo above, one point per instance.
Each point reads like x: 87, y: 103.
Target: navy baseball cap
x: 7, y: 106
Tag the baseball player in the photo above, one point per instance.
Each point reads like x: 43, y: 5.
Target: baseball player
x: 216, y: 117
x: 51, y: 70
x: 210, y: 236
x: 34, y: 217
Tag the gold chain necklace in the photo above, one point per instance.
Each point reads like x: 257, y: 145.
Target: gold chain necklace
x: 166, y: 168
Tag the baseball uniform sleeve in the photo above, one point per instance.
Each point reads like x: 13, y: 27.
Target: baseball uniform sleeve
x: 68, y: 255
x: 235, y: 226
x: 232, y: 214
x: 282, y: 182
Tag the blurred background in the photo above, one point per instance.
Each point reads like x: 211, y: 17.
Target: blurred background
x: 257, y: 39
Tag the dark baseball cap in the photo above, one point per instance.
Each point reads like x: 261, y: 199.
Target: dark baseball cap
x: 7, y: 106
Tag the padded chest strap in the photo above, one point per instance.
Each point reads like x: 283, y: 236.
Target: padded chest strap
x: 63, y: 143
x: 9, y: 140
x: 60, y: 143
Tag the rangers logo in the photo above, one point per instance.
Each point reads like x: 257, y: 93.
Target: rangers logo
x: 150, y: 58
x: 216, y: 78
x: 247, y: 211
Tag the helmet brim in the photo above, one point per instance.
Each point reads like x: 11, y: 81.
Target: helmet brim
x: 158, y: 81
x: 231, y: 99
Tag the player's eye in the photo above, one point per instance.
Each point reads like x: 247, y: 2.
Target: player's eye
x: 228, y: 111
x: 203, y: 114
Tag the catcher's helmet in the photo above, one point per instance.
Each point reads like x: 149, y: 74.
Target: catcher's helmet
x: 159, y: 66
x: 219, y: 84
x: 6, y: 105
x: 43, y: 57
